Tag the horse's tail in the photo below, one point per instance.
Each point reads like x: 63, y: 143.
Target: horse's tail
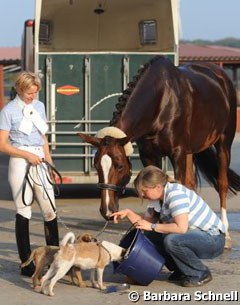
x: 68, y: 238
x: 206, y: 163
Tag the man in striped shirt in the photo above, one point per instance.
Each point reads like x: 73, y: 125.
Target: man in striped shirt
x: 181, y: 225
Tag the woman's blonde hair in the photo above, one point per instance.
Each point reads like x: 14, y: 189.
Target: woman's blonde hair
x: 149, y: 177
x: 26, y: 80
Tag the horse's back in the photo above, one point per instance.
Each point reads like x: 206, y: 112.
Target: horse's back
x: 212, y: 100
x: 211, y: 75
x: 209, y: 87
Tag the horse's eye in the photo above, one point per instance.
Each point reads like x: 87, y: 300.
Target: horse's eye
x: 119, y: 167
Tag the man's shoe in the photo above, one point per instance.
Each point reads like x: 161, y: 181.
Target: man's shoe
x: 176, y: 277
x: 193, y: 282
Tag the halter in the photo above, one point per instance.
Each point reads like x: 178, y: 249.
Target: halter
x: 114, y: 187
x: 111, y: 187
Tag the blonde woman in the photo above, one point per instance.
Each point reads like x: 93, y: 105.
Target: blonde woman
x: 180, y: 223
x: 22, y: 137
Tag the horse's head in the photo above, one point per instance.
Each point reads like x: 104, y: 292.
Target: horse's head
x: 113, y: 166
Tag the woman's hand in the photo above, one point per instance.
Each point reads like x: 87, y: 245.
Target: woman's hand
x: 143, y: 225
x: 133, y: 217
x: 117, y: 216
x: 33, y: 159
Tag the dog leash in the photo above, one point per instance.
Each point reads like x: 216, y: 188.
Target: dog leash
x: 63, y: 223
x: 100, y: 245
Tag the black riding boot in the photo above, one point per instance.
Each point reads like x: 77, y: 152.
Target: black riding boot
x: 51, y: 232
x: 23, y: 243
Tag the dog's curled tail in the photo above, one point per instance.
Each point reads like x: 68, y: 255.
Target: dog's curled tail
x: 68, y: 238
x: 29, y: 260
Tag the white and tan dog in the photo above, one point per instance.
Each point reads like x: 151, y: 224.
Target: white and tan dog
x: 89, y: 255
x: 44, y: 256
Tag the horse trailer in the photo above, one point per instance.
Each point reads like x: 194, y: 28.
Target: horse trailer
x: 86, y: 52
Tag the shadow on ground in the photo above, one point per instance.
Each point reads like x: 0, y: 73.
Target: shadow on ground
x: 82, y: 191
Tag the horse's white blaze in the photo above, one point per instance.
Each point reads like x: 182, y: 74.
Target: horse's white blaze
x: 224, y: 217
x: 106, y: 163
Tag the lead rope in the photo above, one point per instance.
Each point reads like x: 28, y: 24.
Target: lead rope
x: 49, y: 171
x: 103, y: 229
x: 27, y: 181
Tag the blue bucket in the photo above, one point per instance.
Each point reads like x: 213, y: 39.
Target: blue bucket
x: 142, y: 261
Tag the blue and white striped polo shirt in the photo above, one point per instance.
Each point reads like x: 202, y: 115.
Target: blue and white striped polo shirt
x: 178, y: 200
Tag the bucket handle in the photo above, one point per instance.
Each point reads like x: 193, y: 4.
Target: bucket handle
x: 129, y: 248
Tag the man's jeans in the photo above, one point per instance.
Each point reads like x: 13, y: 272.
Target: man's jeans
x: 183, y: 252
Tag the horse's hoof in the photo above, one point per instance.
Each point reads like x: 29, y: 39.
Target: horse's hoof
x: 228, y: 242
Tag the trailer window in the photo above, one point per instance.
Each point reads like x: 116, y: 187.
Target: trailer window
x: 148, y: 31
x: 45, y: 32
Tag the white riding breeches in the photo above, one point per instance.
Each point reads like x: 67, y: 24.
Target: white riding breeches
x: 41, y: 189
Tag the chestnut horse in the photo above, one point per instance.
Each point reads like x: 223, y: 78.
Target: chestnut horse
x: 187, y: 113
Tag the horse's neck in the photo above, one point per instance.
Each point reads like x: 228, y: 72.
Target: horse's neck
x: 133, y: 126
x: 141, y: 110
x: 124, y: 127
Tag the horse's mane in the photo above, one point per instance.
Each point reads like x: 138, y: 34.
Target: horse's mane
x: 123, y: 99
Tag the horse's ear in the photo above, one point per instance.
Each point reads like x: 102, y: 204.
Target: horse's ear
x: 89, y: 139
x: 126, y: 142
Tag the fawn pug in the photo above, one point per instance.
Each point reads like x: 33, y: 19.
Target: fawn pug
x: 85, y: 255
x: 43, y: 256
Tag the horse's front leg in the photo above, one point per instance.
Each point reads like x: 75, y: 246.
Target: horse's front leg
x: 183, y: 169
